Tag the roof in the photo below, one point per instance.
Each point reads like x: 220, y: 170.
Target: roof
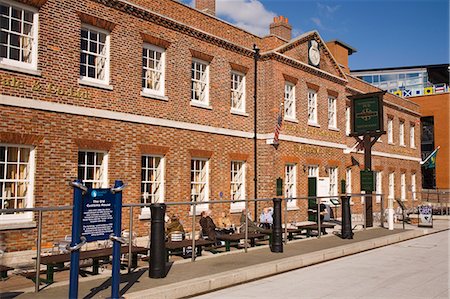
x: 445, y: 65
x: 350, y: 49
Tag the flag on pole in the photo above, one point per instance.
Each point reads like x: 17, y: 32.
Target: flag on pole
x: 278, y: 127
x: 430, y: 161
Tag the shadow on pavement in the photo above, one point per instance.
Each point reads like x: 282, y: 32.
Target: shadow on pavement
x: 130, y: 279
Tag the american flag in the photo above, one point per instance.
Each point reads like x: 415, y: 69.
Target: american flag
x: 278, y: 126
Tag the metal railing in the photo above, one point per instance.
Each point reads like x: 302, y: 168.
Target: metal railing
x: 289, y: 216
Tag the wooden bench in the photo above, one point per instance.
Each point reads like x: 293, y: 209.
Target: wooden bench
x: 311, y: 227
x: 173, y: 246
x: 97, y: 255
x: 4, y: 271
x: 237, y: 237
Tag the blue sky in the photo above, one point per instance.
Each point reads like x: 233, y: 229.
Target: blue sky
x: 386, y: 33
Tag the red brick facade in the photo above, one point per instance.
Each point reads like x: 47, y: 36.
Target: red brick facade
x: 57, y: 115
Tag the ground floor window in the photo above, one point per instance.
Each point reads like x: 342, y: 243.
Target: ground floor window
x: 92, y: 169
x: 237, y: 185
x: 16, y: 181
x: 152, y: 180
x: 290, y: 185
x: 200, y: 182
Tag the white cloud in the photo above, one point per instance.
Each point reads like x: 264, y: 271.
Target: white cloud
x: 327, y: 10
x: 317, y: 21
x: 250, y: 15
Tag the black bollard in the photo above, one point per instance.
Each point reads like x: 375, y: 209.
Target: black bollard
x: 157, y: 242
x: 346, y: 231
x: 277, y: 231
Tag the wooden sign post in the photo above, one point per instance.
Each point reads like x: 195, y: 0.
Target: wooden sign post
x: 367, y: 126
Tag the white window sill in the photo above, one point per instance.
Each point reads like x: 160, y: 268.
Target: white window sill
x: 154, y: 96
x: 18, y: 225
x: 391, y: 143
x: 402, y: 145
x: 28, y: 71
x: 144, y: 216
x: 334, y: 129
x: 238, y: 112
x: 293, y: 120
x: 312, y: 124
x: 413, y: 147
x: 95, y: 84
x: 293, y: 208
x: 236, y: 210
x: 200, y: 105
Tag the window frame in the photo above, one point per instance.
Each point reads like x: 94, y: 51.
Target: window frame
x: 390, y: 130
x: 237, y: 206
x: 314, y: 120
x: 290, y: 187
x: 162, y: 183
x: 233, y: 91
x: 333, y: 118
x: 206, y: 102
x: 412, y: 137
x: 333, y: 174
x: 347, y: 121
x: 403, y: 186
x: 290, y: 97
x: 202, y: 207
x: 19, y: 65
x: 87, y: 79
x: 413, y: 186
x: 378, y: 185
x: 104, y: 180
x: 29, y: 200
x: 313, y: 171
x: 391, y: 185
x: 401, y: 133
x: 148, y: 91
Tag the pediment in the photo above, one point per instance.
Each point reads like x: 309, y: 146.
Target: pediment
x: 298, y: 49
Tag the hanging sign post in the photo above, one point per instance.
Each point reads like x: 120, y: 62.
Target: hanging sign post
x: 367, y: 122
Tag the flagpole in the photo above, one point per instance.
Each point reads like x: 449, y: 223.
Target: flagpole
x: 255, y: 141
x: 429, y: 156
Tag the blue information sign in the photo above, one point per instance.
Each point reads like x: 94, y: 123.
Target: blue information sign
x: 97, y: 218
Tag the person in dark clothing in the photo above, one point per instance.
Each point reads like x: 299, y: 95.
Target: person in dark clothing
x: 208, y: 226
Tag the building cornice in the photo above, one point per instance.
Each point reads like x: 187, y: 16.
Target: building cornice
x: 271, y: 55
x: 150, y: 16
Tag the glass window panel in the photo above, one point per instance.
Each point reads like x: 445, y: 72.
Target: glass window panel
x: 28, y: 16
x: 14, y: 54
x: 15, y: 26
x: 14, y: 40
x: 4, y: 10
x: 4, y: 23
x: 16, y: 13
x: 90, y: 158
x: 13, y: 154
x: 2, y: 173
x: 89, y: 173
x: 2, y: 153
x: 80, y: 173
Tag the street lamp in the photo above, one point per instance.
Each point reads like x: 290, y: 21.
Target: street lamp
x: 255, y: 140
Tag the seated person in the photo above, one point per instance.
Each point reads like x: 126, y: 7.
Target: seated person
x: 323, y: 212
x: 225, y: 224
x: 174, y: 226
x: 208, y: 226
x: 266, y: 218
x: 252, y: 227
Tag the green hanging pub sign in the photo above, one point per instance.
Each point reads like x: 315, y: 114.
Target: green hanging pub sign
x: 367, y: 112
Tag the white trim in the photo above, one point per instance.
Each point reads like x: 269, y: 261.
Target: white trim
x: 159, y: 94
x: 128, y: 117
x: 19, y: 65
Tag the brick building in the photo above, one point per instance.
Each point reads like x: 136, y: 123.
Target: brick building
x: 159, y: 95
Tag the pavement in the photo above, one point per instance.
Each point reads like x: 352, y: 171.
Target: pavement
x: 208, y: 273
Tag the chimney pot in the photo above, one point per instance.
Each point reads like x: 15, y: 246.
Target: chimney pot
x: 281, y: 28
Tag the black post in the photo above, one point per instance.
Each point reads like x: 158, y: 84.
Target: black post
x: 346, y: 229
x: 368, y: 166
x: 157, y: 241
x: 255, y: 141
x: 277, y: 232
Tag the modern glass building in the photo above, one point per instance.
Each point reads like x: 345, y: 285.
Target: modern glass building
x: 408, y: 81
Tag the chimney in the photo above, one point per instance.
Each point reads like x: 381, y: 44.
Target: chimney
x: 341, y: 51
x: 208, y: 6
x: 281, y: 28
